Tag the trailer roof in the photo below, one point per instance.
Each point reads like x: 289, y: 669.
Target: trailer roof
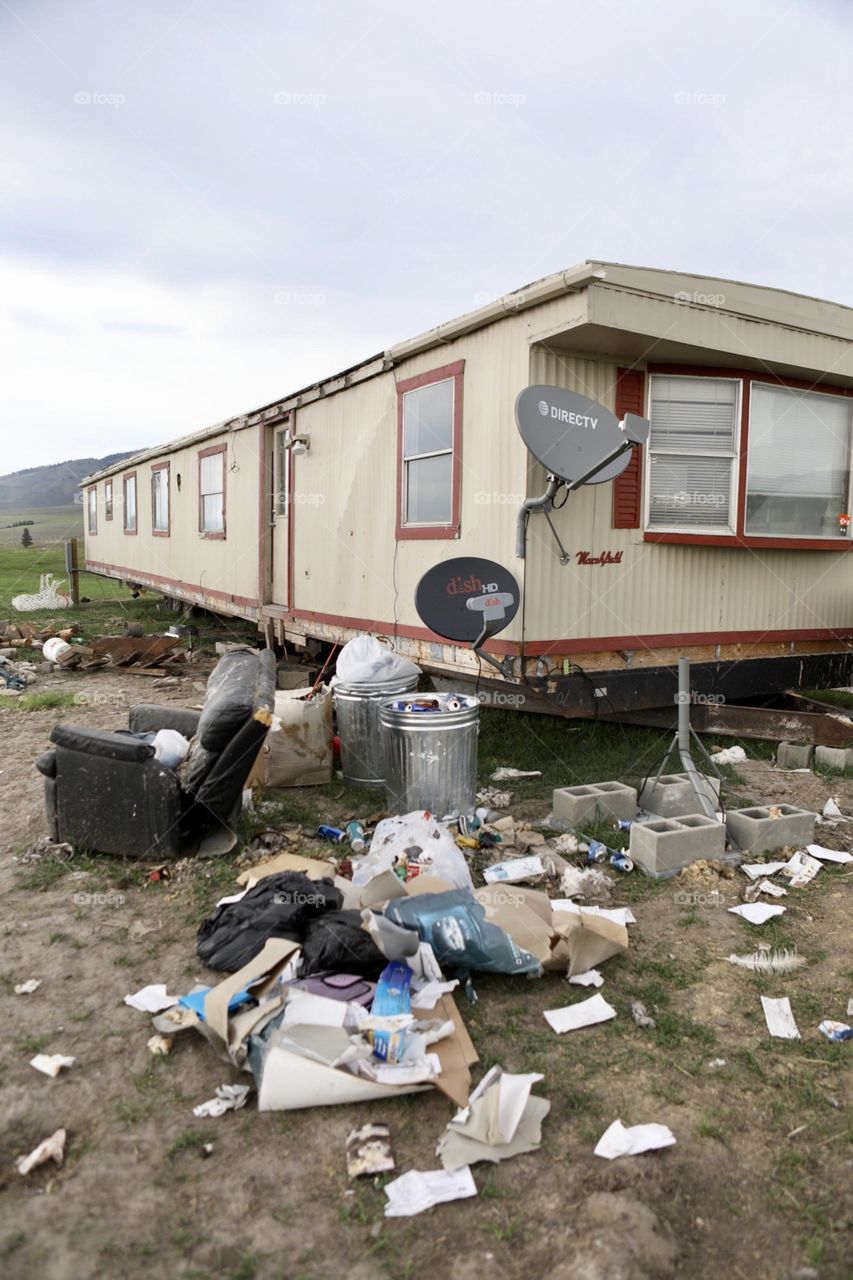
x: 757, y: 302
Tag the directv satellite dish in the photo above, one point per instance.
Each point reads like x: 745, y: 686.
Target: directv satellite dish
x: 467, y: 600
x: 578, y: 441
x: 571, y: 434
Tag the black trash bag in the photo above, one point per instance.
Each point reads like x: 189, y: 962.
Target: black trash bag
x: 336, y: 943
x: 279, y: 906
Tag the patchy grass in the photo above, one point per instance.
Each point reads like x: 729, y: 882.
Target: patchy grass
x: 39, y: 701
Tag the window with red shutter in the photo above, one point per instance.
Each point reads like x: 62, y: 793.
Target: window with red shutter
x: 630, y: 398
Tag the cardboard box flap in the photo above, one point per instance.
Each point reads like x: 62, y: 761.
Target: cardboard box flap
x: 260, y: 973
x: 456, y: 1052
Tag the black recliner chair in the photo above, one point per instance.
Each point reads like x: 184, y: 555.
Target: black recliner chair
x: 107, y: 793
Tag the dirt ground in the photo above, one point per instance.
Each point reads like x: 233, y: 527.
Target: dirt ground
x: 757, y: 1187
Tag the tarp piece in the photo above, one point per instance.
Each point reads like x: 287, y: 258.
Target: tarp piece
x: 455, y: 926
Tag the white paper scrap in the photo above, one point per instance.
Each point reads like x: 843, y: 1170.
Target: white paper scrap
x: 621, y: 1141
x: 229, y: 1097
x: 505, y: 774
x: 583, y: 1014
x: 50, y: 1064
x: 775, y: 890
x: 592, y: 978
x: 27, y: 988
x: 426, y: 995
x: 756, y: 869
x: 514, y: 870
x: 849, y: 1006
x: 800, y: 869
x: 319, y: 1011
x: 818, y: 851
x: 779, y: 1018
x: 416, y: 1191
x: 757, y: 912
x: 151, y: 999
x: 619, y: 915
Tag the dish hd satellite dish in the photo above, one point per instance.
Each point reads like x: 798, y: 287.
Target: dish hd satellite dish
x: 466, y: 600
x: 572, y: 436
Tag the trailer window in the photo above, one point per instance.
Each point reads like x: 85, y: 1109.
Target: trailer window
x: 798, y: 476
x: 108, y: 499
x: 130, y: 503
x: 429, y: 453
x: 92, y: 498
x: 160, y: 498
x: 211, y: 491
x: 693, y: 450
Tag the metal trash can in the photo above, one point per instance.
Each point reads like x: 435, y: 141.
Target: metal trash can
x: 431, y: 756
x: 357, y: 712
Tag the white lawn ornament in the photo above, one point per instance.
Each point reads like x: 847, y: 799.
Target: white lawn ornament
x: 48, y: 596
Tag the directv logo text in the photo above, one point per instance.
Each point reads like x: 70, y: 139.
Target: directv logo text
x: 564, y: 415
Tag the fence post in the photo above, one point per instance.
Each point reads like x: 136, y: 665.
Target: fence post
x: 72, y: 570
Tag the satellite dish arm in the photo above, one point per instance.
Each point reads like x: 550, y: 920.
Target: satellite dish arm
x: 533, y: 504
x: 505, y: 667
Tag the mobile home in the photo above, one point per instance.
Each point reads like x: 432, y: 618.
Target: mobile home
x: 725, y: 539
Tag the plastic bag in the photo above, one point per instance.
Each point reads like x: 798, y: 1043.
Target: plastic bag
x: 409, y: 836
x: 170, y: 747
x: 455, y: 926
x: 363, y: 660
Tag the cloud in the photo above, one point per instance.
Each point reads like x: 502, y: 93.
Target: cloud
x: 218, y: 203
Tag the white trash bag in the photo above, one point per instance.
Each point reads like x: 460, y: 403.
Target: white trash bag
x: 400, y: 837
x: 363, y: 660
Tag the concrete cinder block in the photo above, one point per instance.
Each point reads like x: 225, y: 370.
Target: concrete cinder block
x: 795, y: 755
x: 665, y: 845
x: 757, y: 831
x: 672, y: 795
x: 833, y: 757
x: 576, y: 806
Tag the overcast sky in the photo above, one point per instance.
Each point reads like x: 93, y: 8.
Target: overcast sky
x: 209, y: 203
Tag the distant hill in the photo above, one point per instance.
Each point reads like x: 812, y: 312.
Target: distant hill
x: 53, y: 486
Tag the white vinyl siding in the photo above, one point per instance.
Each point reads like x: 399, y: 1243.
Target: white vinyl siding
x: 798, y: 481
x: 692, y: 454
x: 428, y: 454
x: 212, y: 493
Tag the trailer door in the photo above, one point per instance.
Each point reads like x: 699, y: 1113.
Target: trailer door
x: 281, y: 508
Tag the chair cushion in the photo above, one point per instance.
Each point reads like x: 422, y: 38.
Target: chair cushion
x: 230, y: 698
x: 98, y: 742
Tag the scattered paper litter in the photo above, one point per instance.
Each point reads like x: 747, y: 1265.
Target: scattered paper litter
x: 502, y: 1120
x: 779, y: 1018
x: 800, y: 869
x: 52, y: 1148
x: 831, y: 809
x: 621, y: 1141
x: 642, y: 1019
x: 756, y: 869
x: 849, y: 1006
x: 586, y: 882
x: 426, y: 995
x: 50, y: 1064
x: 369, y: 1151
x: 160, y: 1046
x: 619, y: 915
x: 775, y: 890
x: 505, y: 774
x: 416, y: 1191
x: 514, y: 870
x: 583, y: 1014
x: 757, y: 912
x: 817, y: 851
x: 229, y: 1097
x: 27, y: 988
x: 592, y: 978
x: 717, y: 1062
x: 492, y: 798
x: 835, y: 1031
x: 729, y: 755
x: 766, y: 961
x: 152, y: 999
